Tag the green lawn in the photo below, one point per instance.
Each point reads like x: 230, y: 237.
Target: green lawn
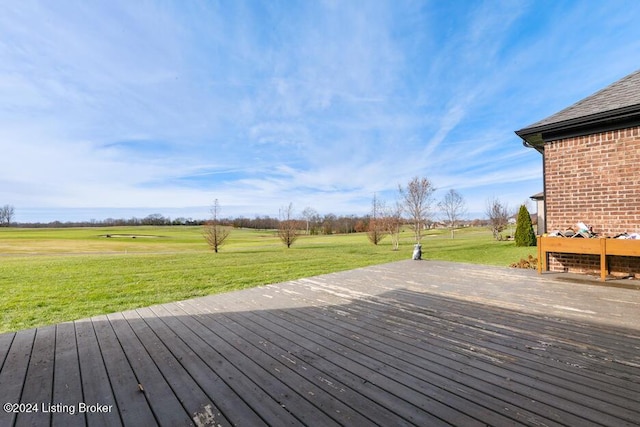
x: 54, y: 275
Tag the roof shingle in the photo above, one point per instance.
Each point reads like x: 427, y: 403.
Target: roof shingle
x: 622, y: 95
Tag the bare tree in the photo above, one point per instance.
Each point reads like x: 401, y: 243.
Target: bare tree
x: 376, y: 230
x: 311, y: 217
x: 214, y: 233
x: 453, y: 208
x: 288, y: 227
x: 6, y: 215
x: 417, y: 199
x: 498, y: 215
x: 392, y: 223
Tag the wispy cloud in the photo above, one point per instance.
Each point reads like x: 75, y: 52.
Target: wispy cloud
x: 168, y: 105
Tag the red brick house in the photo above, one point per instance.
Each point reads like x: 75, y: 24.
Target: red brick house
x: 591, y: 164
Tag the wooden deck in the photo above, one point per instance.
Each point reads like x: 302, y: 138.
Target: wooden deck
x: 410, y: 343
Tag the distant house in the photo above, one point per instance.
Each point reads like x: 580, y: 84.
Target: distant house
x: 591, y: 164
x: 539, y: 199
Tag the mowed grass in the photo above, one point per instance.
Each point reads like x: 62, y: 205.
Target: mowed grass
x: 54, y: 275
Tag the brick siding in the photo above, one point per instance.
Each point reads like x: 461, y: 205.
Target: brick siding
x: 594, y: 179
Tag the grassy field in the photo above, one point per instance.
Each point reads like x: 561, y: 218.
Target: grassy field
x: 54, y: 275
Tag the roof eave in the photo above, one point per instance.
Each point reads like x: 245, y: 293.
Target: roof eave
x: 536, y: 136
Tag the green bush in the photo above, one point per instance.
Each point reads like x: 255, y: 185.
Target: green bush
x: 524, y: 229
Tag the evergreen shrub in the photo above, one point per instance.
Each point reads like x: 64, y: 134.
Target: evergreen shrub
x: 524, y: 229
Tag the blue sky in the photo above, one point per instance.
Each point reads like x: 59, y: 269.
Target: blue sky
x: 127, y: 108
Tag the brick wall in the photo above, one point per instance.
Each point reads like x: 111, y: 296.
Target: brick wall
x: 620, y: 266
x: 594, y: 179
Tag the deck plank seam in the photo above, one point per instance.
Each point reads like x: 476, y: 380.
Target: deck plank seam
x: 407, y: 369
x: 331, y: 367
x: 515, y: 374
x: 105, y: 338
x: 317, y: 391
x: 332, y: 383
x: 153, y: 356
x: 563, y: 349
x: 280, y: 391
x: 177, y: 325
x: 371, y: 374
x: 247, y: 331
x: 153, y: 324
x: 149, y: 380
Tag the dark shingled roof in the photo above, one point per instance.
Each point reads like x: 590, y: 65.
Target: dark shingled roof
x: 616, y: 106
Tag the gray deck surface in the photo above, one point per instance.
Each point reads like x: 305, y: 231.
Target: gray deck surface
x: 409, y: 343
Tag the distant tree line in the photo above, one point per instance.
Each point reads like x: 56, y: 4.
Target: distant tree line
x: 153, y: 219
x: 414, y: 206
x: 312, y: 224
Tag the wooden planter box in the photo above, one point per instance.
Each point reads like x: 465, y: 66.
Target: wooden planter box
x: 577, y: 245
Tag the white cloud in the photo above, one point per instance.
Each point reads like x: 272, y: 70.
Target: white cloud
x: 167, y: 105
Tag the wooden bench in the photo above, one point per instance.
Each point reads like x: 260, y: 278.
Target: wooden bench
x: 596, y: 246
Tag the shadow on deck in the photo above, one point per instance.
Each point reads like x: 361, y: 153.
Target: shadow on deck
x: 338, y: 349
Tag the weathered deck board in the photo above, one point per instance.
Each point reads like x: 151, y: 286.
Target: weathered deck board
x: 533, y: 336
x: 67, y: 383
x: 132, y: 405
x: 164, y: 404
x: 38, y: 384
x: 326, y: 391
x: 267, y: 394
x: 5, y: 344
x: 508, y: 346
x: 191, y: 396
x: 458, y: 387
x: 201, y: 361
x: 14, y: 371
x: 336, y: 366
x: 486, y: 371
x: 383, y: 372
x: 409, y: 343
x: 324, y: 409
x: 96, y: 386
